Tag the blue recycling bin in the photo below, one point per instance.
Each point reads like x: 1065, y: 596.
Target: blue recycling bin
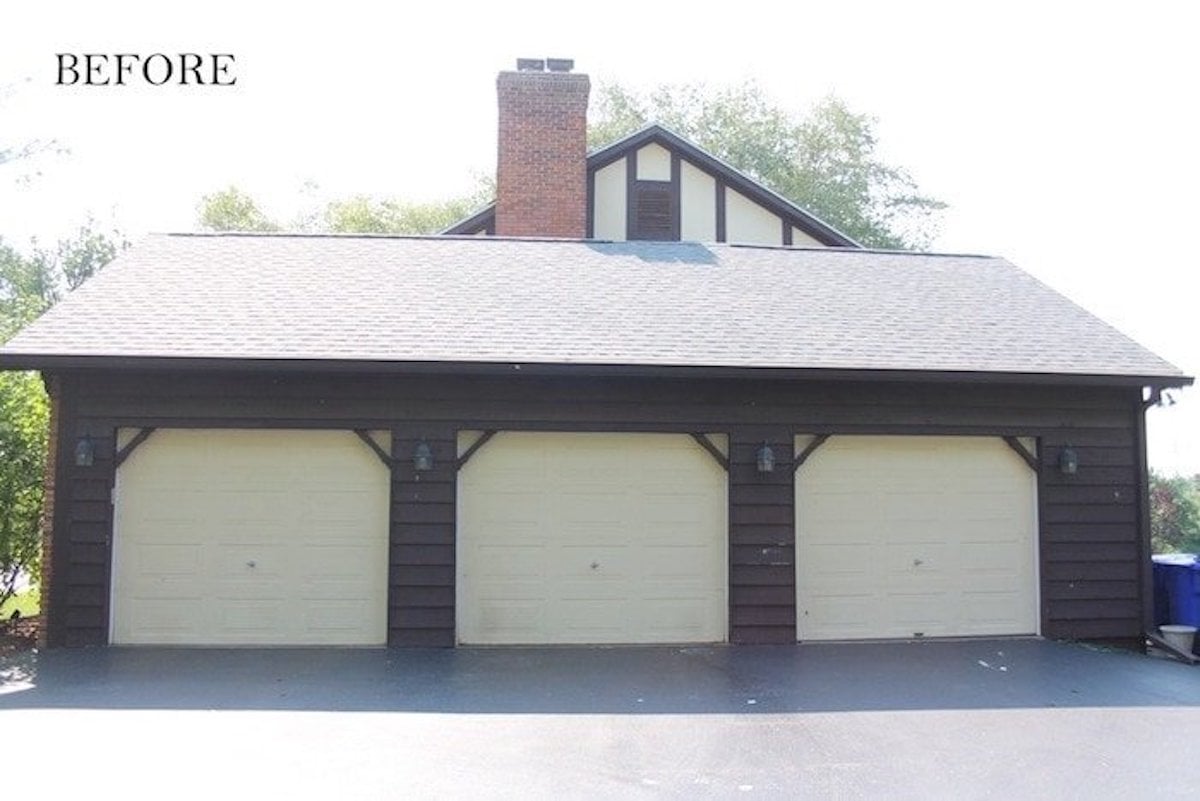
x: 1177, y: 589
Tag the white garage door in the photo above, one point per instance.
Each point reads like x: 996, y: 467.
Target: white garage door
x: 591, y: 538
x: 251, y: 537
x: 915, y: 536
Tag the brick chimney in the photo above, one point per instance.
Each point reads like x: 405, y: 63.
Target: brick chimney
x: 541, y: 170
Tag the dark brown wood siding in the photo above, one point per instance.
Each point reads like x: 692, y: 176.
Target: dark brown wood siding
x: 422, y: 567
x: 1092, y: 545
x: 762, y: 538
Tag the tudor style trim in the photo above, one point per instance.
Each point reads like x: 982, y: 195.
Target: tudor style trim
x: 127, y: 451
x: 725, y: 175
x: 808, y: 451
x: 719, y: 190
x: 631, y: 196
x: 676, y: 196
x: 1020, y: 450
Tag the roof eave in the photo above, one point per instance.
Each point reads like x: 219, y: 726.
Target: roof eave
x: 478, y: 222
x: 57, y: 362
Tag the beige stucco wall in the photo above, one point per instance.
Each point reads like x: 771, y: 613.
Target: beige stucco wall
x: 654, y: 163
x: 745, y: 221
x: 749, y: 223
x: 609, y: 203
x: 803, y: 240
x: 697, y: 205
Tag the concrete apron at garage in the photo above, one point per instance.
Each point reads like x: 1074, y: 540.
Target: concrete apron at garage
x: 962, y: 674
x: 962, y: 720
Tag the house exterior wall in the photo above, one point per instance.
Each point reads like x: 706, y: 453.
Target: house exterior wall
x: 697, y: 204
x: 1093, y: 540
x: 704, y: 207
x: 750, y: 223
x: 609, y: 202
x: 801, y: 239
x: 653, y: 163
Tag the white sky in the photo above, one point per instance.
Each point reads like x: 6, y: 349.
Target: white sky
x: 1063, y: 135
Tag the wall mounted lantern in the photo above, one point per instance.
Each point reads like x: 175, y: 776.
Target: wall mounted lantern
x: 85, y: 452
x: 423, y: 457
x: 766, y: 459
x: 1068, y: 461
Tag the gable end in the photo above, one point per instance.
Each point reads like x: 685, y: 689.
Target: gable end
x: 692, y: 216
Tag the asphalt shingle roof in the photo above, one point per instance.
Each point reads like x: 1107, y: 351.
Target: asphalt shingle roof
x: 481, y: 299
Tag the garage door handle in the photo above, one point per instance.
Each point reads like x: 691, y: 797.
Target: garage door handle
x: 251, y: 563
x: 595, y: 565
x: 918, y: 562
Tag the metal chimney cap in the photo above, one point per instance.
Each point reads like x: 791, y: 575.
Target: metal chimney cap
x: 531, y: 65
x: 560, y: 64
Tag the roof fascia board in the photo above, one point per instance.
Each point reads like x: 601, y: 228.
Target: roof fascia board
x: 481, y: 220
x: 17, y: 361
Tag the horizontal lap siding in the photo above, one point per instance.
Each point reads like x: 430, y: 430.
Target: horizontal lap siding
x: 1092, y: 552
x: 762, y: 539
x: 1089, y: 522
x: 422, y: 567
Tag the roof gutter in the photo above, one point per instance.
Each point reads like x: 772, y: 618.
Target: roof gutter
x: 47, y: 362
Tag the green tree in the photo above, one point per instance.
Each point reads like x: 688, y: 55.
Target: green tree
x: 824, y: 161
x: 79, y: 258
x: 29, y: 285
x: 1174, y: 514
x: 364, y: 215
x: 24, y: 418
x: 232, y: 209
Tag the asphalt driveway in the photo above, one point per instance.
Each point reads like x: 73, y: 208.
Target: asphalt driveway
x: 973, y: 719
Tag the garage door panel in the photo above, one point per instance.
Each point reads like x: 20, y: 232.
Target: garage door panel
x: 170, y: 619
x: 919, y: 612
x: 161, y: 560
x: 282, y: 528
x: 272, y: 586
x: 241, y: 506
x: 336, y: 509
x: 821, y: 559
x: 501, y: 620
x: 510, y: 561
x: 674, y: 562
x: 326, y: 561
x: 619, y: 535
x: 914, y: 554
x: 985, y: 556
x: 990, y: 604
x: 334, y: 617
x: 839, y: 616
x: 168, y: 588
x: 679, y: 614
x: 242, y: 621
x: 502, y: 592
x: 900, y: 536
x: 610, y: 593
